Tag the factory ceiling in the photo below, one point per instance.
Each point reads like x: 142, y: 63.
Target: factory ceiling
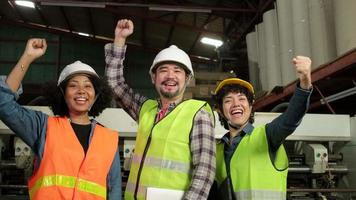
x: 160, y: 23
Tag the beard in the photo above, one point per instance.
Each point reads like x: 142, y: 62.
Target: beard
x: 169, y: 95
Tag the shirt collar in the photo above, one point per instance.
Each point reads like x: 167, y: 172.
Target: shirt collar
x: 246, y: 130
x: 170, y: 107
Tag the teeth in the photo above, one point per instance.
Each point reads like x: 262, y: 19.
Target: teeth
x: 80, y: 99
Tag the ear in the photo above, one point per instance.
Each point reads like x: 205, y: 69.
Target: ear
x: 188, y: 78
x: 153, y: 78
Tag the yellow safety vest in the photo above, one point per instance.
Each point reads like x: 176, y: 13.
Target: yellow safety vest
x: 253, y: 175
x: 162, y: 157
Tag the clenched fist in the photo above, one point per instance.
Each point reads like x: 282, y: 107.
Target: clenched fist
x: 35, y: 48
x: 303, y: 69
x: 123, y: 29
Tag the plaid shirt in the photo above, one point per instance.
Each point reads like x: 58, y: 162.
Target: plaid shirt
x: 202, y: 141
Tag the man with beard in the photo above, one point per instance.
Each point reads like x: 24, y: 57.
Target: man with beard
x: 175, y: 146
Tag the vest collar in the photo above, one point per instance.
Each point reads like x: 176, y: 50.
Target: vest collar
x: 248, y: 129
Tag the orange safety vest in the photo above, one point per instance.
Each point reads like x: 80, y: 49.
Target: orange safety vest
x: 65, y: 171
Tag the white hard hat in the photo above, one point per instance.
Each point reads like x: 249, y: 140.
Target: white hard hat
x: 76, y: 68
x: 173, y: 54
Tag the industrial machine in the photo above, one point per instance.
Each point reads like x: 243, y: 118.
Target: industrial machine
x: 321, y: 163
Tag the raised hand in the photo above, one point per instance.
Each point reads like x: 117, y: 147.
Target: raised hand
x: 303, y: 69
x: 124, y: 28
x: 35, y: 48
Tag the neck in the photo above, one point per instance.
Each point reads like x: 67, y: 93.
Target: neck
x: 235, y: 131
x: 79, y: 119
x: 166, y: 102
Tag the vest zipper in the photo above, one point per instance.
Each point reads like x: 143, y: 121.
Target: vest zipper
x: 141, y: 165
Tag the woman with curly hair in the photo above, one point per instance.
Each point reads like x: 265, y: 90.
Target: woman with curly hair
x: 76, y: 157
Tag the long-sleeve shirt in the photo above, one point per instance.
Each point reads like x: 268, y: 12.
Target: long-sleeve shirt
x: 31, y: 127
x: 277, y: 130
x: 202, y: 142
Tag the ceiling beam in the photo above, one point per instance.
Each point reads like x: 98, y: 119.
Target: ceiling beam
x: 148, y: 18
x: 66, y: 19
x: 194, y: 58
x: 39, y: 12
x: 199, y: 34
x: 158, y: 7
x: 254, y: 20
x: 16, y: 10
x: 169, y: 38
x: 207, y: 21
x: 341, y: 63
x: 91, y: 22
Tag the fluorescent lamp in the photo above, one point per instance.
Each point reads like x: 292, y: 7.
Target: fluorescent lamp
x: 83, y: 34
x: 28, y: 4
x: 210, y: 41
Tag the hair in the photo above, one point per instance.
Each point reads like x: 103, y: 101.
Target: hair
x: 232, y: 88
x: 56, y: 101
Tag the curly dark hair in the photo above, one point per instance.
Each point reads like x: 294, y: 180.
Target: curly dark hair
x: 56, y: 101
x: 235, y: 88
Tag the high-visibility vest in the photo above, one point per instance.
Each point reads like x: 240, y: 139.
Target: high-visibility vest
x: 65, y: 171
x: 254, y: 175
x: 162, y: 157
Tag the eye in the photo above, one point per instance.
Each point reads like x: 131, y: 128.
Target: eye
x: 227, y: 101
x: 72, y: 84
x: 88, y: 86
x: 242, y: 98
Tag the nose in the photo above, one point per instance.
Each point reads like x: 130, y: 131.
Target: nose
x: 170, y: 74
x: 235, y: 103
x: 81, y: 90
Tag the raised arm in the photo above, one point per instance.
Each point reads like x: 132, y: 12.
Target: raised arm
x: 284, y: 125
x: 35, y: 48
x: 114, y: 56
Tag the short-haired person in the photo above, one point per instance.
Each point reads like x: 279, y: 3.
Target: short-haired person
x: 251, y: 162
x: 76, y: 157
x: 175, y: 145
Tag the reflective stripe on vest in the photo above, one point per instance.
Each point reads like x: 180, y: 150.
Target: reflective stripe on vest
x: 130, y: 187
x: 165, y: 164
x: 69, y: 182
x: 260, y: 194
x: 253, y: 174
x: 163, y: 148
x: 66, y: 172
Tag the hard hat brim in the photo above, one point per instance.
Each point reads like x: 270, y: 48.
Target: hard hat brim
x: 235, y: 81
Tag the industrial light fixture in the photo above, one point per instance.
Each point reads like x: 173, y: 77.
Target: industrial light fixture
x: 339, y: 95
x: 83, y: 34
x: 28, y: 4
x: 210, y: 41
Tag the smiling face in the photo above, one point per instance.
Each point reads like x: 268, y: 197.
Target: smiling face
x: 236, y: 108
x: 170, y: 81
x: 79, y: 95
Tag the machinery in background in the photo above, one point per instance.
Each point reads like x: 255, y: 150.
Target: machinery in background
x: 321, y: 163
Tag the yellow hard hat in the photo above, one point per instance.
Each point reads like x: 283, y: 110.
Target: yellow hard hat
x: 236, y: 81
